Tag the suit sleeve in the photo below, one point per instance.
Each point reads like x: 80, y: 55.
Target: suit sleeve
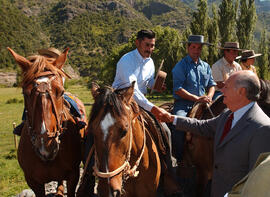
x: 205, y: 128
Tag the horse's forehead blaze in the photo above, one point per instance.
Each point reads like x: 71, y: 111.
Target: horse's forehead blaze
x: 106, y: 123
x: 42, y: 79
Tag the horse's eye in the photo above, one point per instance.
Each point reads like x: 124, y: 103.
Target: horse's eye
x: 123, y: 133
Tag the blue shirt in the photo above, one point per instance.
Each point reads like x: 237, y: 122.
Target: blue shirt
x: 133, y: 67
x: 194, y: 78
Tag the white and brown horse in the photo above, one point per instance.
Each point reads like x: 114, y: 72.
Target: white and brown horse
x: 49, y: 148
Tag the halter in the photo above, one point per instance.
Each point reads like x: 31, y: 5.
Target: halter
x: 125, y: 167
x: 44, y: 88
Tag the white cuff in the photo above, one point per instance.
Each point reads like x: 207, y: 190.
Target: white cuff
x: 174, y: 120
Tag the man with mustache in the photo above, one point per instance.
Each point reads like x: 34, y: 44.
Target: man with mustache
x: 137, y: 65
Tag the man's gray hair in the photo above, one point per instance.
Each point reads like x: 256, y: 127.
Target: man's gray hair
x: 251, y: 84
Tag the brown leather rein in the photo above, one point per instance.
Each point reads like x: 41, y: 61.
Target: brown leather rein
x: 44, y: 88
x: 125, y: 167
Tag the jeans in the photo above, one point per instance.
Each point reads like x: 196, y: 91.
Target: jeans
x: 178, y: 137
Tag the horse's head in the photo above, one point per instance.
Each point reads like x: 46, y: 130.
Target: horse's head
x: 111, y: 122
x: 43, y: 90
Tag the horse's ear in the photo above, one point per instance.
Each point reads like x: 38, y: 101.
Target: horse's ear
x: 24, y: 63
x: 61, y: 59
x: 95, y: 90
x: 129, y: 92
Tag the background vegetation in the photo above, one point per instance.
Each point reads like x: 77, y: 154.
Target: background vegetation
x: 99, y: 32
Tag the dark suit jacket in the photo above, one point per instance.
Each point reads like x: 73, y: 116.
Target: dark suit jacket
x: 235, y: 156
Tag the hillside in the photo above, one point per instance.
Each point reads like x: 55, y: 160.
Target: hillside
x: 90, y: 28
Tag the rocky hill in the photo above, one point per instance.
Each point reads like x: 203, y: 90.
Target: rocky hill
x: 91, y: 28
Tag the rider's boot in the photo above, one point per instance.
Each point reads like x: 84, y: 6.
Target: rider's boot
x: 18, y: 130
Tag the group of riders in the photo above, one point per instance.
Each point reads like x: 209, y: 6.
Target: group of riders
x: 193, y: 81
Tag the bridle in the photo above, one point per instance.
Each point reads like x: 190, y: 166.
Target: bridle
x: 44, y: 89
x: 125, y: 167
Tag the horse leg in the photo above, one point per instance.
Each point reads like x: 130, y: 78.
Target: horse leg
x: 38, y: 188
x: 60, y: 189
x: 72, y: 182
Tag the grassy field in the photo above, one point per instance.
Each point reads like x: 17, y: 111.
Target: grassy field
x: 11, y: 106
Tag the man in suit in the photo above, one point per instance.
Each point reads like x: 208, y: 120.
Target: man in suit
x: 237, y: 147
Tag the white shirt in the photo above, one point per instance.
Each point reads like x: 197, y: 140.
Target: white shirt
x: 133, y: 67
x: 240, y: 112
x: 221, y: 70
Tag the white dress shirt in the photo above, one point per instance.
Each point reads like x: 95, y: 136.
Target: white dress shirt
x: 133, y: 67
x: 240, y: 112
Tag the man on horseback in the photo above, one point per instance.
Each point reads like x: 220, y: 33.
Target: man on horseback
x: 138, y: 66
x: 192, y: 77
x: 240, y: 133
x: 74, y: 109
x: 225, y: 66
x: 247, y: 60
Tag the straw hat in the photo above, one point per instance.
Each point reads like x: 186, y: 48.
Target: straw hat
x: 51, y: 52
x: 231, y: 46
x: 196, y: 39
x: 248, y: 54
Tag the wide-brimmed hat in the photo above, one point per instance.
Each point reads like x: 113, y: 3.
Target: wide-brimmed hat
x: 231, y: 46
x: 51, y: 52
x: 248, y: 54
x: 196, y: 39
x: 54, y: 53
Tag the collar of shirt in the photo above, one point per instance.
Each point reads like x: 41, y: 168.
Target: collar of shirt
x: 190, y: 61
x: 240, y: 112
x: 140, y: 58
x: 227, y: 63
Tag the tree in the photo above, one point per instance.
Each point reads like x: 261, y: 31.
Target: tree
x: 199, y: 23
x: 263, y: 61
x: 246, y: 23
x: 213, y: 32
x: 227, y: 19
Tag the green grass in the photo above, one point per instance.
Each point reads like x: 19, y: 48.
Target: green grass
x: 11, y: 107
x: 11, y: 176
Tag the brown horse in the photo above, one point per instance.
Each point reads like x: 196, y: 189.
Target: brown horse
x: 126, y: 158
x: 198, y: 150
x: 49, y: 148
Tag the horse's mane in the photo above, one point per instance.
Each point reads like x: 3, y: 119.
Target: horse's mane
x: 39, y: 64
x: 265, y: 91
x: 109, y: 99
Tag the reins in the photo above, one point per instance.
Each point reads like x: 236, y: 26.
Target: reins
x: 43, y: 91
x: 125, y: 167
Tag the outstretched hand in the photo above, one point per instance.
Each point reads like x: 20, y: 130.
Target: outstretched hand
x: 161, y: 114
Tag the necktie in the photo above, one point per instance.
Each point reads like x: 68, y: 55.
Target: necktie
x: 227, y: 127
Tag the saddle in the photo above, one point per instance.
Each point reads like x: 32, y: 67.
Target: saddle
x: 157, y: 132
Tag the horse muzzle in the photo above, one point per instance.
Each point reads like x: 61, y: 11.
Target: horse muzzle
x: 47, y: 148
x: 110, y: 187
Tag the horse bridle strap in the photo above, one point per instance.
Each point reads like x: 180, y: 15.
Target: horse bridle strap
x: 128, y: 171
x: 59, y: 127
